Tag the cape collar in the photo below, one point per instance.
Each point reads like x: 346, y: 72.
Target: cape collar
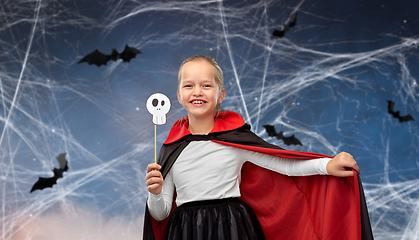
x: 224, y: 121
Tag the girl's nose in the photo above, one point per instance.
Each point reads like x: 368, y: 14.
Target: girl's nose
x: 197, y: 91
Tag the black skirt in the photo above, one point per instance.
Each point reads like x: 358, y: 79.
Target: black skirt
x: 224, y: 219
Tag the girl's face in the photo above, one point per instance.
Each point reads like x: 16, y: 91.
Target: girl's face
x: 198, y: 91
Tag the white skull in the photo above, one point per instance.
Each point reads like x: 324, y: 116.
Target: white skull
x: 158, y: 105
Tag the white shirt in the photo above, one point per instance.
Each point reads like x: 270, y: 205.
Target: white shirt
x: 206, y: 170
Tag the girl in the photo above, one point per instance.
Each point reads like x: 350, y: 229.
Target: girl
x: 217, y: 180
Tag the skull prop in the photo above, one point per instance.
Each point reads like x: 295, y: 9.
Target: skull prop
x: 158, y: 105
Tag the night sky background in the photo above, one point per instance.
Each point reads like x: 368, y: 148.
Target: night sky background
x: 327, y: 81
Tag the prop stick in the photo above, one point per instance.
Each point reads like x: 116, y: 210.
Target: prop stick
x: 158, y: 105
x: 155, y: 137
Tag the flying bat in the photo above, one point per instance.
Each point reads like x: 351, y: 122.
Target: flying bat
x: 58, y: 173
x: 286, y: 27
x: 99, y: 59
x: 391, y: 111
x: 292, y: 140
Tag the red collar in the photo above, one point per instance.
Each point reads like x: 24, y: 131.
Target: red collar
x: 224, y: 121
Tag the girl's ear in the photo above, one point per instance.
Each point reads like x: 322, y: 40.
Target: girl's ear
x: 222, y: 96
x: 178, y: 95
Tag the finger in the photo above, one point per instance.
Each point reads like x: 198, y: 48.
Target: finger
x: 153, y: 187
x: 153, y: 174
x: 153, y: 166
x: 153, y: 181
x: 356, y: 167
x: 352, y: 164
x: 347, y: 172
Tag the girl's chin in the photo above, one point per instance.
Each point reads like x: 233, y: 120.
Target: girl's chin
x: 200, y: 112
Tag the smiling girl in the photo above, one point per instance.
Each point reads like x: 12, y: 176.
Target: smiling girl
x: 215, y: 179
x: 200, y: 91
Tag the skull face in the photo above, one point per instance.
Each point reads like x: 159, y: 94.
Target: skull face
x: 158, y: 105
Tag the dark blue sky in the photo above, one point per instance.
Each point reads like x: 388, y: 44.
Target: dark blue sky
x: 327, y: 82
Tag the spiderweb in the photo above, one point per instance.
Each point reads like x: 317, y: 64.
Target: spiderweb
x: 327, y: 81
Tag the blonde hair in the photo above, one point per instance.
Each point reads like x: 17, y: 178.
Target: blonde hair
x: 218, y: 74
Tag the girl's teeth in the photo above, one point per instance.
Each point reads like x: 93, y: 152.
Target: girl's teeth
x: 198, y: 102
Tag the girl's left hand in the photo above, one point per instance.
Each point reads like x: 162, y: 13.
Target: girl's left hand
x: 341, y: 165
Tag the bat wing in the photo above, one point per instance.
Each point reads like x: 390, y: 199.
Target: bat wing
x: 129, y: 53
x: 390, y: 106
x: 270, y: 129
x: 292, y: 19
x: 406, y: 118
x: 292, y: 140
x: 44, y: 183
x: 63, y: 162
x: 96, y: 58
x: 277, y: 34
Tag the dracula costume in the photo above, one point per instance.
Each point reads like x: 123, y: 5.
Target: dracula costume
x: 281, y: 207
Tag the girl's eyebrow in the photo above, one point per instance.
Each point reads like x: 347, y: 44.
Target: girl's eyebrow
x: 186, y: 81
x: 207, y: 81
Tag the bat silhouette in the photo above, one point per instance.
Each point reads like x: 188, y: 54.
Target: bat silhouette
x: 292, y: 140
x: 286, y: 27
x: 100, y: 59
x: 391, y: 111
x: 58, y: 173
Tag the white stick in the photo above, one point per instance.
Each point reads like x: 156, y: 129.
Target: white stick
x: 155, y: 161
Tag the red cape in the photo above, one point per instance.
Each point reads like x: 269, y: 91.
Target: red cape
x: 310, y: 207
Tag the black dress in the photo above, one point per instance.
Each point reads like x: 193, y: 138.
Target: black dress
x: 222, y: 219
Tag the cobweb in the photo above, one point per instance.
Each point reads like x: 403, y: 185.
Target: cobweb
x: 327, y: 81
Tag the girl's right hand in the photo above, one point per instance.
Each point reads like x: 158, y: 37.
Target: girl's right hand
x: 154, y: 179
